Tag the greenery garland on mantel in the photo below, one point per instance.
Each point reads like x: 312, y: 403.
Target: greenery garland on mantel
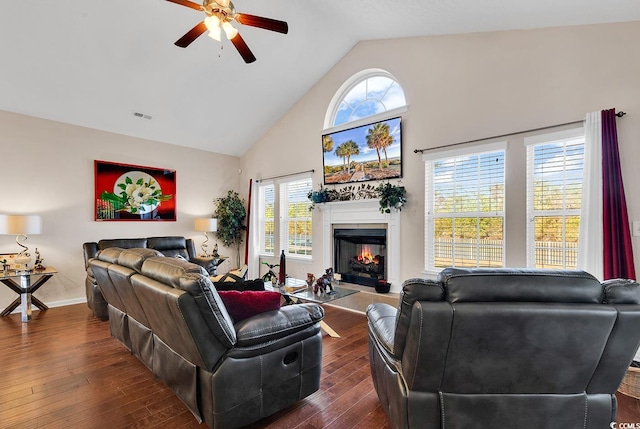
x: 391, y: 196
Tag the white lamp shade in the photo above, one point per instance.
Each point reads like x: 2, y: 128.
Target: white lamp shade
x: 212, y: 22
x: 229, y: 30
x: 19, y: 224
x: 206, y: 224
x: 213, y: 25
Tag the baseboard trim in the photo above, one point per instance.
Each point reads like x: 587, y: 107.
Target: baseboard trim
x: 54, y: 304
x: 67, y: 302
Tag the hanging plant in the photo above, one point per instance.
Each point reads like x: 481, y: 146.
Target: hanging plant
x: 231, y: 215
x: 320, y: 196
x: 324, y: 195
x: 391, y: 196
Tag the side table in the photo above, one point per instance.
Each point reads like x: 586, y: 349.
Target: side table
x: 25, y: 289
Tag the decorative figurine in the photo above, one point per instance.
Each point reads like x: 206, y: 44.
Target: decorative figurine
x: 215, y: 254
x: 322, y: 284
x: 329, y: 273
x: 38, y: 262
x: 310, y: 279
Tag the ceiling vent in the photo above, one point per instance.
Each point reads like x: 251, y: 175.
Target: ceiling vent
x: 142, y: 115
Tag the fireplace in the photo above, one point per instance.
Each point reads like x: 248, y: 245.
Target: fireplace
x: 363, y: 214
x: 360, y: 254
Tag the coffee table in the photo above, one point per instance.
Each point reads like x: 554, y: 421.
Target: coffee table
x: 292, y: 295
x: 25, y: 289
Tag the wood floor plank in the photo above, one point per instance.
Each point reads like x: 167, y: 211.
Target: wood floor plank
x: 352, y: 416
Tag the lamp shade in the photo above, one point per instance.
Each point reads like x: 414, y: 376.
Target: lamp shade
x: 20, y: 224
x: 229, y: 30
x: 206, y: 224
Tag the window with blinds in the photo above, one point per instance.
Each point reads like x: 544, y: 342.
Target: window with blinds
x: 554, y: 194
x: 464, y: 208
x: 295, y: 218
x: 266, y: 202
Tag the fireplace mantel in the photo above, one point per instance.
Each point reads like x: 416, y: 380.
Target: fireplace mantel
x: 362, y: 212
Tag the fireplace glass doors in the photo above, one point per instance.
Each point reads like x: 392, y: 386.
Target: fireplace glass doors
x: 360, y: 254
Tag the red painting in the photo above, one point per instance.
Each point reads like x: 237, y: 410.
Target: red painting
x: 132, y: 192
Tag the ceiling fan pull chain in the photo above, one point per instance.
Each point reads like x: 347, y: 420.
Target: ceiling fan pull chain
x: 220, y: 50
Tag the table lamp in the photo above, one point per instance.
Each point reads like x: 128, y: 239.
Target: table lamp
x: 206, y: 225
x: 20, y: 226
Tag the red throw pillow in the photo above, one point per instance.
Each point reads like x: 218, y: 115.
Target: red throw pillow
x: 245, y: 304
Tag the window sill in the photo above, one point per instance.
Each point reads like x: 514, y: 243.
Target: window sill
x: 431, y: 274
x: 299, y: 259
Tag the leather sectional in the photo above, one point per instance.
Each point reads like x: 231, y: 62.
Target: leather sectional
x: 168, y: 246
x: 167, y: 312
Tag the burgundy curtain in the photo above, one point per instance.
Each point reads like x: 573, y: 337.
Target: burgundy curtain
x: 246, y: 237
x: 618, y: 253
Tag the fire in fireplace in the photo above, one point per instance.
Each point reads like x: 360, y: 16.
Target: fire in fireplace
x: 360, y: 254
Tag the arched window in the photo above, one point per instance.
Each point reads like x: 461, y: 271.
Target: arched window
x: 368, y: 93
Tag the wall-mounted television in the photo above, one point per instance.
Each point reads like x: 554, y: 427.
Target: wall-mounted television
x: 366, y: 152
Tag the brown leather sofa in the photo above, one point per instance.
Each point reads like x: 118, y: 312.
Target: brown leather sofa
x: 168, y: 246
x: 504, y: 348
x: 169, y: 314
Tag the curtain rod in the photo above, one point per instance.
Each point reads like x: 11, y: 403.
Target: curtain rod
x: 619, y: 115
x: 285, y: 175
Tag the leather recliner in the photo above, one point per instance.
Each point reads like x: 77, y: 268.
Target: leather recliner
x: 169, y: 246
x: 504, y: 348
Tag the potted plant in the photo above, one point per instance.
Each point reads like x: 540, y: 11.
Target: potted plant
x: 231, y: 215
x: 319, y: 196
x: 324, y: 195
x: 391, y: 196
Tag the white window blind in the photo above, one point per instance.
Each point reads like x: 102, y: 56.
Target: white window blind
x: 295, y: 218
x: 464, y: 208
x: 554, y: 194
x: 266, y: 213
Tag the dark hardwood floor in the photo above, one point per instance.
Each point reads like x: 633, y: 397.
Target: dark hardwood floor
x: 63, y: 370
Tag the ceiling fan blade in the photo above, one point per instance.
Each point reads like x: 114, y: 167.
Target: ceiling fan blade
x: 191, y: 35
x: 260, y: 22
x: 187, y: 3
x: 243, y: 49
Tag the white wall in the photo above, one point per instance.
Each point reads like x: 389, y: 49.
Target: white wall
x: 466, y: 87
x: 458, y: 88
x: 47, y: 168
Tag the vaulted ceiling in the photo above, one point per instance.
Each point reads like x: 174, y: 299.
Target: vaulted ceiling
x: 96, y: 64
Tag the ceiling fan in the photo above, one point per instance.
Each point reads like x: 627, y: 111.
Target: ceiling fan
x: 220, y: 15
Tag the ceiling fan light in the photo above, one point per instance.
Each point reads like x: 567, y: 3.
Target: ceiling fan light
x: 213, y: 25
x: 229, y: 30
x: 212, y: 22
x: 215, y: 34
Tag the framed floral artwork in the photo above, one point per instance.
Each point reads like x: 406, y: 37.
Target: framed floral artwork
x: 132, y: 192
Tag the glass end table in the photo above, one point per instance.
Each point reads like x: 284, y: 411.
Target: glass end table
x: 25, y: 289
x: 295, y: 291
